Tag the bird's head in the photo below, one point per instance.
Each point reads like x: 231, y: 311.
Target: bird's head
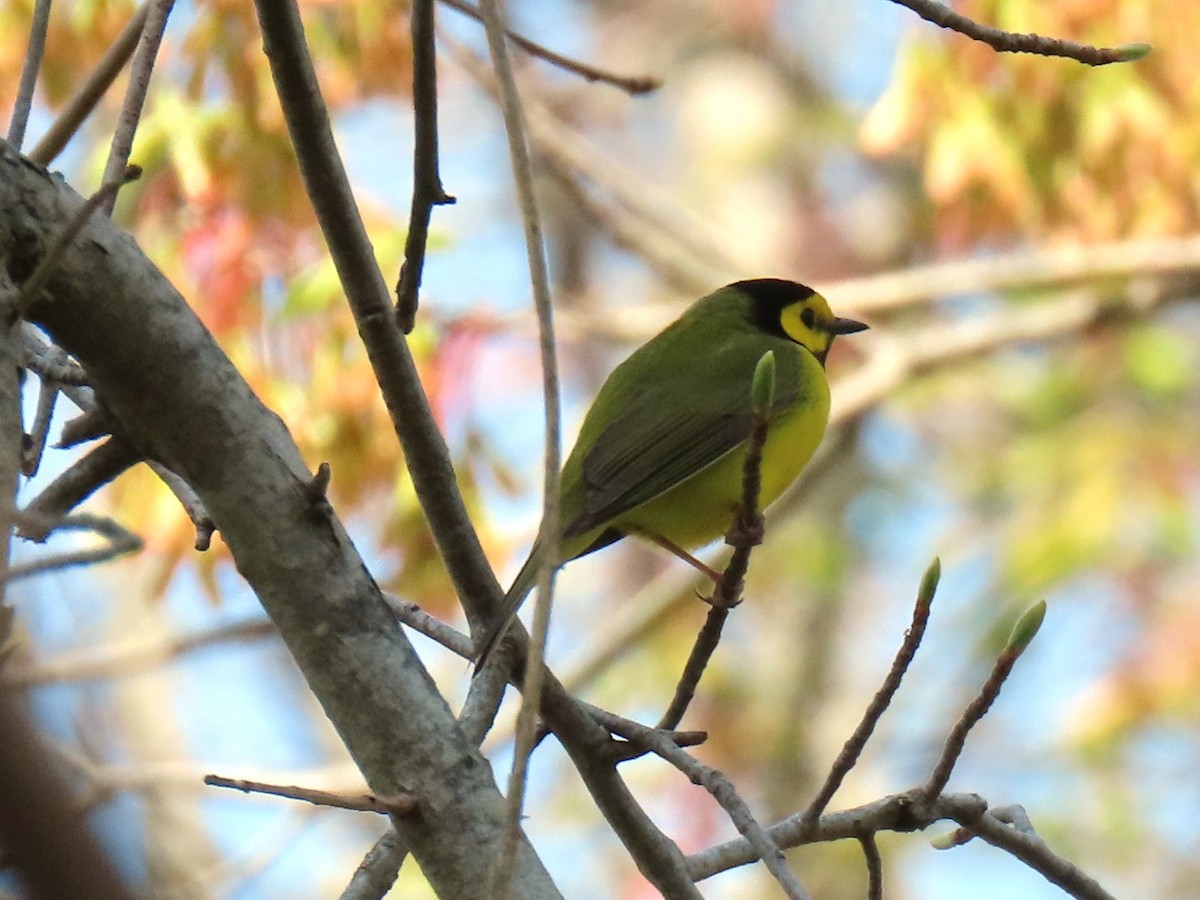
x: 790, y: 310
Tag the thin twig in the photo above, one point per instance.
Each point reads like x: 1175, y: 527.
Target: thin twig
x: 427, y: 182
x: 905, y: 812
x: 43, y: 358
x: 721, y: 789
x: 396, y: 805
x: 113, y: 457
x: 89, y: 94
x: 432, y: 627
x: 130, y: 655
x: 744, y: 535
x: 632, y: 85
x: 1011, y: 42
x: 120, y: 542
x: 874, y: 863
x: 882, y: 700
x: 1023, y: 633
x: 34, y: 52
x: 87, y: 474
x: 191, y: 503
x: 641, y: 216
x: 51, y: 363
x: 91, y: 425
x: 32, y: 288
x: 31, y: 454
x: 370, y: 302
x: 514, y: 127
x: 135, y: 94
x: 1034, y: 852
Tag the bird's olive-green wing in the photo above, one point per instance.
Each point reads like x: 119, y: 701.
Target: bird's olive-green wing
x: 672, y: 428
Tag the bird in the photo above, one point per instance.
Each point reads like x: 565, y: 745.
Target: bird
x: 660, y: 451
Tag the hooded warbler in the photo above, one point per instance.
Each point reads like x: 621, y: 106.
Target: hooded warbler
x: 660, y: 452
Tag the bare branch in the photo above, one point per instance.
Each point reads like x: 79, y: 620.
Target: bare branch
x: 744, y: 535
x: 89, y: 94
x: 50, y: 363
x: 120, y: 542
x: 427, y: 182
x: 548, y: 543
x: 874, y: 866
x: 191, y: 503
x: 11, y: 437
x: 29, y: 72
x: 633, y: 85
x: 1034, y: 852
x: 39, y: 433
x: 87, y: 474
x: 1011, y: 42
x: 430, y: 626
x: 396, y: 805
x: 1024, y: 631
x: 883, y: 698
x: 721, y: 789
x: 32, y: 288
x: 135, y: 94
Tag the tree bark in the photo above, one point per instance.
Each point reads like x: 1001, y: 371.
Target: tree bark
x: 179, y: 400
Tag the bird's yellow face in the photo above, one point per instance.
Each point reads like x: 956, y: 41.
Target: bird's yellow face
x: 799, y: 315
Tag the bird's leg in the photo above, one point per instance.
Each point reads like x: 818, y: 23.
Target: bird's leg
x: 682, y: 554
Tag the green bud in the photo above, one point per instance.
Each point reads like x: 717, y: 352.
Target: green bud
x: 762, y: 389
x: 1134, y: 52
x: 1026, y: 628
x: 929, y: 582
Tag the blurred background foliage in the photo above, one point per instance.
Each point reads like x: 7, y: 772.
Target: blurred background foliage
x: 1039, y: 434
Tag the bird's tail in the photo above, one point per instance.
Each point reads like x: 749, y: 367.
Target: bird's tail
x: 516, y: 595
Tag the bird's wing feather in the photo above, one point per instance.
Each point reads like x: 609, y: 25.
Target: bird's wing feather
x: 666, y: 433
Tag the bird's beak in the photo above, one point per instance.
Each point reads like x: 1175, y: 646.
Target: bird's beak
x: 846, y: 326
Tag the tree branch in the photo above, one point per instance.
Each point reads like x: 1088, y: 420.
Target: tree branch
x: 1011, y: 42
x: 135, y: 93
x: 427, y: 182
x: 425, y: 451
x: 29, y: 72
x: 377, y: 872
x: 393, y: 805
x: 745, y: 534
x: 633, y: 85
x: 721, y: 789
x: 548, y: 544
x: 1024, y: 631
x: 92, y: 89
x: 853, y: 747
x: 178, y: 398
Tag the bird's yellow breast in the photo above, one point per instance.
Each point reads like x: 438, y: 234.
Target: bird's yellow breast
x: 703, y: 507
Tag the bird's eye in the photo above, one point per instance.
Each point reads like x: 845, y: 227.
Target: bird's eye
x: 808, y: 317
